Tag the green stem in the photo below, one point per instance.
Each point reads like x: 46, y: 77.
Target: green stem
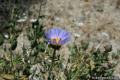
x: 53, y: 57
x: 51, y: 67
x: 11, y: 64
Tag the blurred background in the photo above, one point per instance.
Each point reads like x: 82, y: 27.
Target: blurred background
x: 94, y: 50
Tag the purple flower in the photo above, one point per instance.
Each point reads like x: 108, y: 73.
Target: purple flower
x: 57, y: 36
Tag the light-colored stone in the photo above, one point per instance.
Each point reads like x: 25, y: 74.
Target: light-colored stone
x: 22, y: 42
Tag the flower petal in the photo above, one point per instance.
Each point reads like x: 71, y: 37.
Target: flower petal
x: 57, y: 33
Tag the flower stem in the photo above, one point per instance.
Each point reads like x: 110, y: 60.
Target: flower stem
x: 53, y: 57
x: 11, y: 61
x: 51, y: 67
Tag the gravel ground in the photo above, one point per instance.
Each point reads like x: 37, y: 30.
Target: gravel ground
x: 96, y: 21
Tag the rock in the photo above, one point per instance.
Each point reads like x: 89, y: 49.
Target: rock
x: 36, y: 69
x: 2, y: 53
x: 22, y: 42
x: 115, y: 46
x: 31, y: 77
x: 33, y: 20
x: 6, y: 35
x: 108, y: 48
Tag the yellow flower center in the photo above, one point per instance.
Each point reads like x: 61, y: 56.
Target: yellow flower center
x: 56, y: 40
